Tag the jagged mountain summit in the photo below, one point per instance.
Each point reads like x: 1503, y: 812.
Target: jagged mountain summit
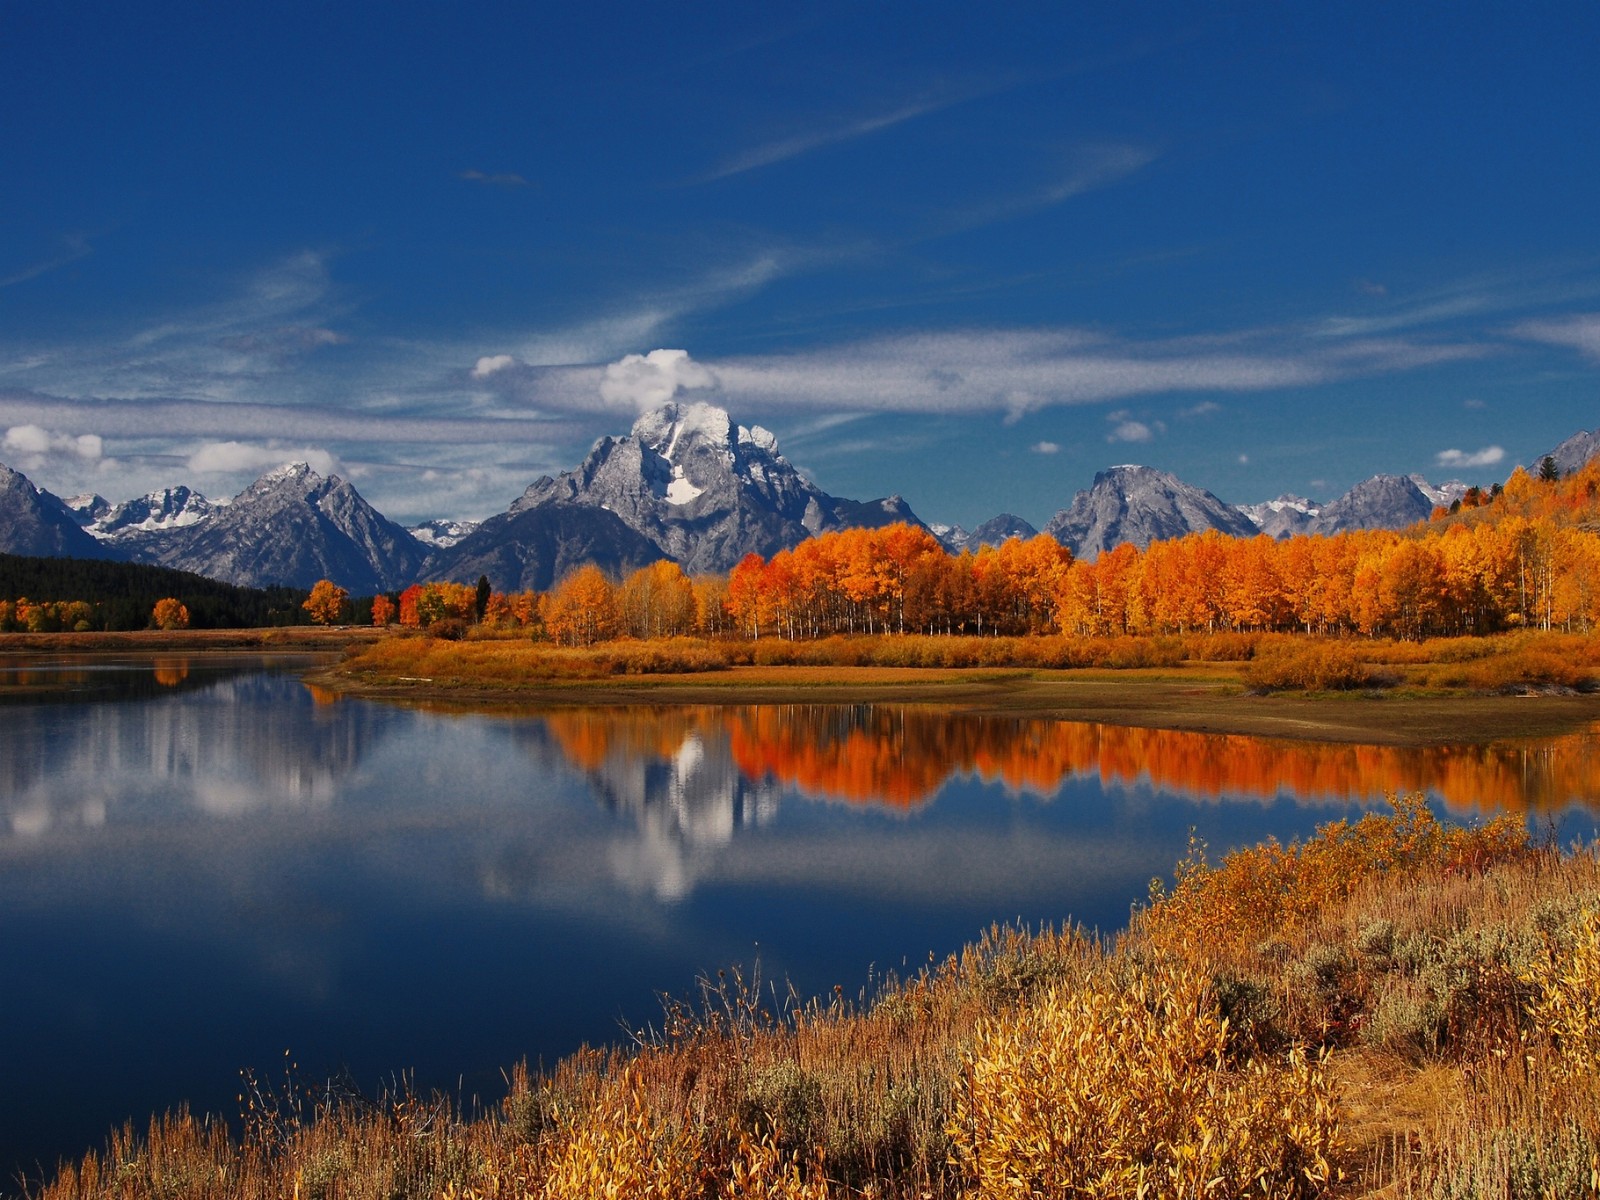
x: 534, y: 547
x: 993, y: 532
x: 998, y: 530
x: 1284, y: 517
x: 36, y: 522
x: 1573, y: 453
x: 294, y: 527
x: 1140, y: 505
x: 699, y: 488
x: 88, y: 507
x: 441, y: 533
x: 154, y: 514
x: 1382, y: 502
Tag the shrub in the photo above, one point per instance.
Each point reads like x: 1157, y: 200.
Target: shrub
x: 1312, y: 667
x: 1122, y: 1088
x: 1566, y: 1004
x: 1522, y: 669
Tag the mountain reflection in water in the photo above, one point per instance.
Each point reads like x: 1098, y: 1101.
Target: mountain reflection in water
x: 901, y: 756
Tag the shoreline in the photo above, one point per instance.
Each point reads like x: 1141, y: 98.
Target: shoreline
x: 1210, y: 700
x: 1197, y: 697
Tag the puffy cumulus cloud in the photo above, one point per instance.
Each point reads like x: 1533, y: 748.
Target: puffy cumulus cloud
x: 1125, y: 429
x: 36, y: 442
x: 492, y: 364
x: 226, y: 458
x: 1046, y: 447
x: 1487, y: 457
x: 1580, y: 332
x: 647, y: 381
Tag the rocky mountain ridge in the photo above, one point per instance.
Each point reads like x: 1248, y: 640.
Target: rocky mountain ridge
x: 686, y: 483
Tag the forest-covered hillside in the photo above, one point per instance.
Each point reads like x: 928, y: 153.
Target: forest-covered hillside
x: 121, y: 596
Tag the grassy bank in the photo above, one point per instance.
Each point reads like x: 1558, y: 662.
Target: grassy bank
x: 1393, y: 1005
x: 1386, y: 692
x: 161, y: 641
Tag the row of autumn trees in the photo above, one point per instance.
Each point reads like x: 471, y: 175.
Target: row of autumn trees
x: 1529, y: 556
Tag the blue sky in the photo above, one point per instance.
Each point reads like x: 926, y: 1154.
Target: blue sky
x: 970, y: 254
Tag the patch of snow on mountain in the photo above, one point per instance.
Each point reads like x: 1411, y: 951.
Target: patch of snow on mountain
x: 1444, y: 494
x: 442, y: 533
x: 1260, y: 514
x: 680, y: 490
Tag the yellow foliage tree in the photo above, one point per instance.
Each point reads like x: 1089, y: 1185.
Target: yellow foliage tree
x: 169, y: 614
x: 326, y: 602
x: 657, y: 601
x: 582, y: 609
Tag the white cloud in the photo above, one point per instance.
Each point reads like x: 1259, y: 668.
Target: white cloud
x: 74, y: 247
x: 489, y: 364
x: 1244, y: 460
x: 37, y: 442
x: 1580, y: 333
x: 226, y: 458
x: 508, y: 179
x: 1046, y: 448
x: 1487, y: 457
x: 1092, y: 168
x: 647, y: 381
x: 1204, y: 409
x: 782, y: 149
x: 1126, y: 429
x: 1014, y: 372
x: 1130, y: 431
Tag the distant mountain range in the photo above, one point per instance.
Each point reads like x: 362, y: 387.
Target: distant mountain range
x: 686, y: 483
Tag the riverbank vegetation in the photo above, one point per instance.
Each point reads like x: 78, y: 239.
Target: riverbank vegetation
x: 1395, y: 1006
x: 1505, y: 663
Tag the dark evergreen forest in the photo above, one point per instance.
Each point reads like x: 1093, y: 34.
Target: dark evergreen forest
x: 122, y: 594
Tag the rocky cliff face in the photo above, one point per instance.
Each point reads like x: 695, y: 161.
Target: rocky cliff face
x: 148, y: 516
x: 292, y: 527
x: 34, y: 522
x: 1140, y: 505
x: 1573, y: 453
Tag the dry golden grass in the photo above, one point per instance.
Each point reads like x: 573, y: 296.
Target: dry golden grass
x: 1425, y: 1027
x: 1507, y: 663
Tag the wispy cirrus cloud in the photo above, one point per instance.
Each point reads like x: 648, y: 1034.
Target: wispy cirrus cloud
x: 502, y: 179
x: 74, y: 247
x: 1014, y: 372
x: 1486, y: 295
x: 1088, y: 169
x: 1580, y: 332
x: 832, y: 133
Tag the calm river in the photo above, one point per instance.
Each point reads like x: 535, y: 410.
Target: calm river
x: 205, y: 863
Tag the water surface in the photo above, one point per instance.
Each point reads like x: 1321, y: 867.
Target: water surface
x: 204, y: 863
